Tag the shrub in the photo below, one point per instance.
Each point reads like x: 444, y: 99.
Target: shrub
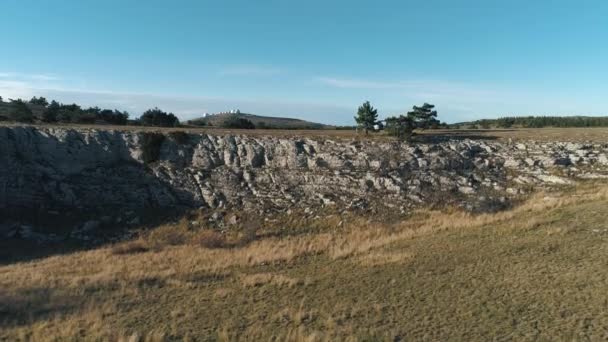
x: 180, y: 137
x: 169, y: 235
x: 114, y: 117
x: 130, y: 247
x: 157, y: 117
x: 22, y: 112
x: 151, y: 144
x: 401, y: 127
x: 234, y: 121
x: 51, y: 112
x: 41, y: 101
x: 210, y: 239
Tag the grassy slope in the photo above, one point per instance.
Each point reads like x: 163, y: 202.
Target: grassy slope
x: 536, y: 272
x: 275, y: 122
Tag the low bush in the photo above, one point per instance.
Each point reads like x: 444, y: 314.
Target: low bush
x: 180, y: 137
x: 210, y: 239
x: 237, y: 122
x: 130, y: 247
x: 169, y: 235
x: 151, y: 144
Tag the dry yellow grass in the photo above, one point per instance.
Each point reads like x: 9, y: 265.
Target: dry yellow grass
x: 363, y: 280
x: 259, y: 279
x: 597, y: 134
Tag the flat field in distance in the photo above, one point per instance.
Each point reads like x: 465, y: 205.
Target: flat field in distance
x: 594, y: 134
x: 535, y: 272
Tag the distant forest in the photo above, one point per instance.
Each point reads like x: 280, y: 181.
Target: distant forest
x: 537, y: 122
x: 38, y: 109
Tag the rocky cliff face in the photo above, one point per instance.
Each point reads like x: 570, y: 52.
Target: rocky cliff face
x: 99, y: 172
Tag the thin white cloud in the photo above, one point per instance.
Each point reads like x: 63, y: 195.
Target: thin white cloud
x: 250, y: 70
x: 31, y: 77
x: 455, y: 100
x: 418, y: 89
x: 185, y: 107
x: 15, y: 85
x: 357, y: 83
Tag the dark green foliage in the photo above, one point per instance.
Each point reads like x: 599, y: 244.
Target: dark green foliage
x: 542, y: 121
x: 41, y: 101
x: 402, y: 127
x: 197, y: 122
x: 236, y: 122
x: 114, y: 117
x: 367, y: 116
x: 346, y: 128
x: 51, y: 112
x: 56, y: 112
x: 180, y: 137
x: 151, y: 143
x: 424, y: 117
x: 69, y: 113
x: 22, y: 112
x: 156, y: 117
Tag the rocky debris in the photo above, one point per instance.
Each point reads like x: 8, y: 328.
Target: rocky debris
x: 592, y: 176
x: 26, y: 232
x: 86, y: 231
x: 102, y: 172
x: 551, y: 179
x: 134, y: 221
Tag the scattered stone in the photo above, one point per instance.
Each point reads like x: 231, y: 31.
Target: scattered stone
x: 135, y: 221
x: 467, y: 190
x: 554, y: 179
x: 90, y: 226
x: 233, y: 220
x: 563, y: 161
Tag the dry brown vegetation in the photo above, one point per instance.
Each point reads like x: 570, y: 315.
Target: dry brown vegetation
x: 596, y: 134
x: 533, y: 272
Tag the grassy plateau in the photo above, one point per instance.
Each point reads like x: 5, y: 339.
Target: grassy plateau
x: 587, y: 134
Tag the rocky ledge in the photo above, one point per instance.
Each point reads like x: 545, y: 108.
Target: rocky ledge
x: 110, y: 177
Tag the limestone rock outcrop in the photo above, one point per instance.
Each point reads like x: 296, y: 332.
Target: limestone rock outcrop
x: 102, y: 171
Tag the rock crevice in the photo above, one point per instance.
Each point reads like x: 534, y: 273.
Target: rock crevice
x: 97, y: 170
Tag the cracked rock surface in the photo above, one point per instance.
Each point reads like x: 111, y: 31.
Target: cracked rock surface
x: 100, y: 171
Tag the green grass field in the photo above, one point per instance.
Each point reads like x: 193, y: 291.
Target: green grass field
x: 536, y: 272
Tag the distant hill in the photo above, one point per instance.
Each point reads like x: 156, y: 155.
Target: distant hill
x: 262, y: 122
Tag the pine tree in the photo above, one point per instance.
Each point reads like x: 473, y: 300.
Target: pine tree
x: 41, y: 101
x: 51, y: 112
x: 424, y: 117
x: 367, y: 116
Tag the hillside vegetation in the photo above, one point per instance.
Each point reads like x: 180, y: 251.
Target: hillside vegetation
x: 260, y: 122
x: 536, y: 272
x: 537, y: 122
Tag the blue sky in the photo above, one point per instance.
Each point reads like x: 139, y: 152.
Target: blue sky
x: 316, y: 60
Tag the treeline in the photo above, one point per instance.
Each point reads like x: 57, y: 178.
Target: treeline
x: 38, y: 109
x: 402, y: 126
x: 540, y: 122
